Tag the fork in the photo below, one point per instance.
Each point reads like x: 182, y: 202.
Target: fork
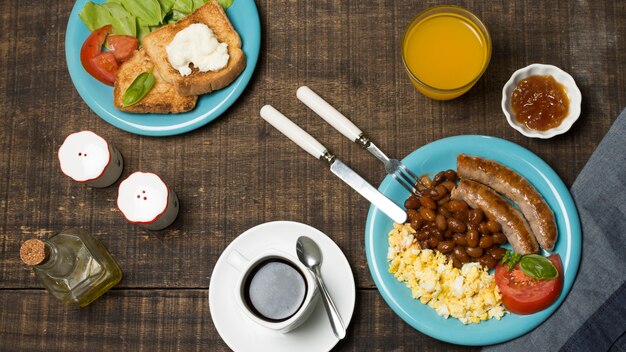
x: 394, y: 167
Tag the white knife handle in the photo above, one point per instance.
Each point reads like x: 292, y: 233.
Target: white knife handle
x: 328, y: 113
x: 292, y: 131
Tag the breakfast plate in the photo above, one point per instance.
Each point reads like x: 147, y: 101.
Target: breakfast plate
x: 315, y: 335
x: 99, y: 97
x: 441, y: 155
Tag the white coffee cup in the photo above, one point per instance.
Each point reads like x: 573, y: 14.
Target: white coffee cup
x: 248, y: 267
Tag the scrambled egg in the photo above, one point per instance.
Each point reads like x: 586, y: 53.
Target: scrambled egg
x: 469, y: 294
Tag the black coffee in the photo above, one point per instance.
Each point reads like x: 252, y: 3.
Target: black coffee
x: 275, y: 290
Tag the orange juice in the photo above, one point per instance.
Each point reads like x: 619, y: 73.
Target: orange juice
x: 445, y: 51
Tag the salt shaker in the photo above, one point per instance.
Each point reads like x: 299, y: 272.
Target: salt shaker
x: 144, y: 199
x: 86, y: 157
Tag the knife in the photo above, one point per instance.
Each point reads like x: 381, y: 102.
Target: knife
x: 315, y: 148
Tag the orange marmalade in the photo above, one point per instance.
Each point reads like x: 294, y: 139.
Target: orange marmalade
x: 540, y: 103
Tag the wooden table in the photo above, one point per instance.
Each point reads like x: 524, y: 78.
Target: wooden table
x: 238, y: 171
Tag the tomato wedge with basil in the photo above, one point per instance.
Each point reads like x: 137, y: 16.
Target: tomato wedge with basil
x: 122, y: 47
x: 522, y: 294
x: 91, y: 48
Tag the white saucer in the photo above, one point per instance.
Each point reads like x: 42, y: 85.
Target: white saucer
x: 242, y: 334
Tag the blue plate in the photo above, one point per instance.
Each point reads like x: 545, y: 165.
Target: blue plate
x: 441, y: 155
x: 244, y: 17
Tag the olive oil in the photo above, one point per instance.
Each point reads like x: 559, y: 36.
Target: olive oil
x: 73, y: 266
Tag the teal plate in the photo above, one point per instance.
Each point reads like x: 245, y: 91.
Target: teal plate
x: 441, y: 155
x: 243, y: 15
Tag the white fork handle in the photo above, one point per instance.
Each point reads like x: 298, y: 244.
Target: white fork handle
x: 328, y: 113
x: 292, y: 131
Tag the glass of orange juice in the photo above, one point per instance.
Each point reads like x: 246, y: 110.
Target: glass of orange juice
x: 445, y: 50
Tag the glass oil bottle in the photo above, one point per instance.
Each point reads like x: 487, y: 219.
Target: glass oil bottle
x: 73, y: 266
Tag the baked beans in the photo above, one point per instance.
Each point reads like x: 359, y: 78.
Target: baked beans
x: 451, y: 226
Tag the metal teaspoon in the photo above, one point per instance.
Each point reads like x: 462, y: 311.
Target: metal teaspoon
x: 310, y: 255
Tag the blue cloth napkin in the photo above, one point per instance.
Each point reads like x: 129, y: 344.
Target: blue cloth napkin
x: 593, y: 316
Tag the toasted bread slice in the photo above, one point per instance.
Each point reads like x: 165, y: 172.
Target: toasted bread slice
x: 163, y: 97
x: 213, y: 15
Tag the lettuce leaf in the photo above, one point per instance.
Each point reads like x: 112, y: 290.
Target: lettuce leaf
x: 166, y: 7
x: 123, y: 22
x: 197, y: 3
x: 139, y: 17
x: 148, y: 12
x: 95, y: 16
x: 142, y: 31
x: 225, y: 3
x: 183, y: 7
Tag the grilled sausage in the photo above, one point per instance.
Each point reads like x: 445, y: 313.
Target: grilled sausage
x: 496, y: 208
x: 515, y: 187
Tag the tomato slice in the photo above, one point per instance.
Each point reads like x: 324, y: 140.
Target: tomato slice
x: 93, y: 44
x: 122, y: 47
x: 522, y: 294
x: 91, y: 48
x: 105, y: 67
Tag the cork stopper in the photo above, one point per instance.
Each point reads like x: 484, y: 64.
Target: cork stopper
x: 33, y: 252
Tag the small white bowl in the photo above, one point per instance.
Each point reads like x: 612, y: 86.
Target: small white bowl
x: 572, y: 91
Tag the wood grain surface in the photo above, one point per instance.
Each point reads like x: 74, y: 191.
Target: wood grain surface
x: 238, y: 171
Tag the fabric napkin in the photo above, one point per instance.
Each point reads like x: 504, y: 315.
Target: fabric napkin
x: 593, y: 316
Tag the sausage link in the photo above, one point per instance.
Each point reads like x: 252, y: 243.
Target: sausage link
x: 515, y: 187
x: 496, y: 208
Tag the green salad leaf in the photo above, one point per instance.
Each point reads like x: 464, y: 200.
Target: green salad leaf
x: 148, y: 12
x: 183, y: 6
x: 225, y: 3
x: 123, y: 22
x: 176, y: 16
x: 138, y: 89
x: 197, y: 3
x: 538, y: 267
x: 142, y: 31
x: 95, y: 16
x: 139, y: 17
x: 166, y: 6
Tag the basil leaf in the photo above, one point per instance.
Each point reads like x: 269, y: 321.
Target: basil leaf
x: 138, y: 89
x: 538, y: 267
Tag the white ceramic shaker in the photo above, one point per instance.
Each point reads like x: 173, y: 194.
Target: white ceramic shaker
x: 144, y: 199
x: 88, y: 158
